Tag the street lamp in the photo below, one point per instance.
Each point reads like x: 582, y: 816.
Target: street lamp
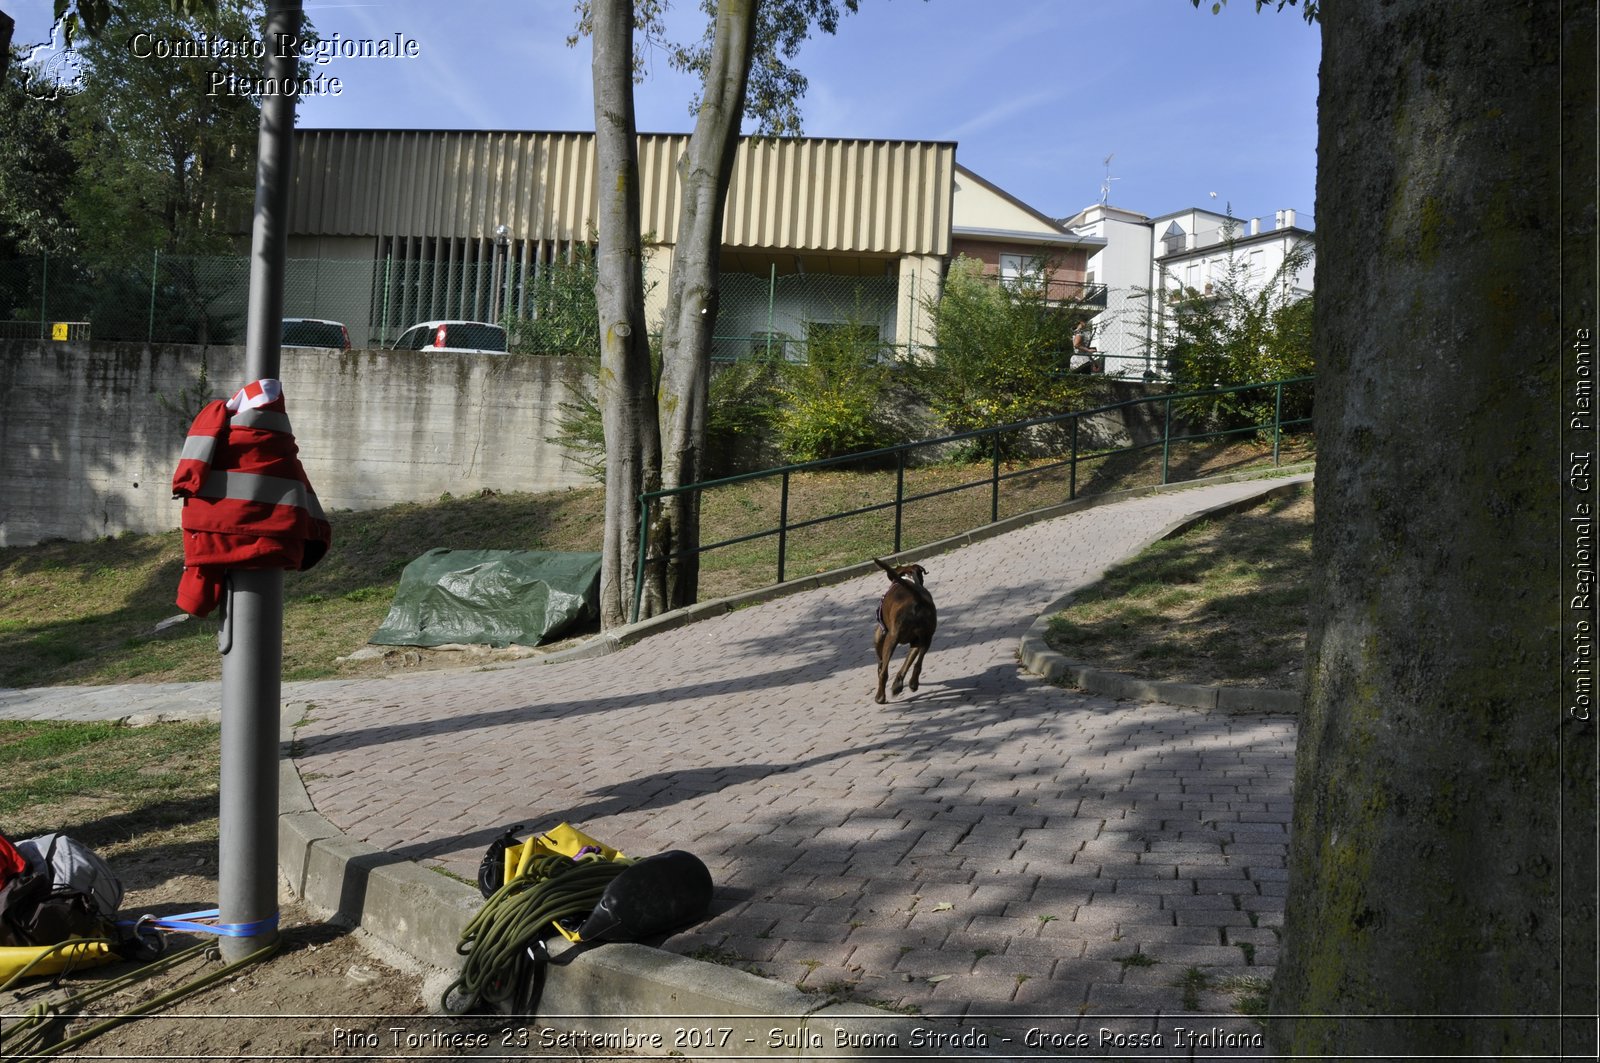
x: 502, y: 241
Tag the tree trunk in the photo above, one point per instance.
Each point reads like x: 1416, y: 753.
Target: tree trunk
x: 7, y: 27
x: 627, y: 396
x: 691, y: 311
x: 1428, y: 875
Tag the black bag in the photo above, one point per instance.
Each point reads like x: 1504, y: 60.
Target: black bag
x: 19, y: 899
x: 67, y: 892
x: 652, y: 896
x: 492, y: 869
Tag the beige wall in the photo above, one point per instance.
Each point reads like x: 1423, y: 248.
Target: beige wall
x: 867, y: 196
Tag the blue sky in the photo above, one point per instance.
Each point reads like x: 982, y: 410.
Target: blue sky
x: 1036, y: 93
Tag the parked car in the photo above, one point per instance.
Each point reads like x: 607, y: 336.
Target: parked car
x: 458, y: 337
x: 315, y: 332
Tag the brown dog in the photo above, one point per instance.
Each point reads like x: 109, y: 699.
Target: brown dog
x: 907, y: 615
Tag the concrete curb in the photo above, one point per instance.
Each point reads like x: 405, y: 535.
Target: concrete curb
x: 1037, y: 656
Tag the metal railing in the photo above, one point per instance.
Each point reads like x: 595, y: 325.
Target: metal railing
x: 1176, y: 411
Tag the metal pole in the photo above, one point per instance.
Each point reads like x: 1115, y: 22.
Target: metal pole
x: 252, y: 665
x: 44, y: 296
x: 994, y: 483
x: 772, y: 294
x: 1277, y: 423
x: 783, y: 525
x: 388, y: 266
x: 155, y: 273
x: 1072, y: 480
x: 899, y: 494
x: 1166, y: 441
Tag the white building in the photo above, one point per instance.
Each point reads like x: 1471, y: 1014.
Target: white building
x: 1187, y: 249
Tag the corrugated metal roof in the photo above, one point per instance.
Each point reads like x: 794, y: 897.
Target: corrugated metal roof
x: 866, y: 196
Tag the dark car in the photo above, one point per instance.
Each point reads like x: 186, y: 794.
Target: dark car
x: 313, y: 332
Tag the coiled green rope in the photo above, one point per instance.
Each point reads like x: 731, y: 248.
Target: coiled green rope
x: 497, y: 940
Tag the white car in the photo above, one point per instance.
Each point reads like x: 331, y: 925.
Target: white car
x: 455, y: 337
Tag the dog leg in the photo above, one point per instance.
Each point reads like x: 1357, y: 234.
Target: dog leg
x: 884, y: 653
x: 900, y: 676
x: 918, y: 651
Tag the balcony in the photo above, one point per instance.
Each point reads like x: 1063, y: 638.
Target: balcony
x: 1056, y: 291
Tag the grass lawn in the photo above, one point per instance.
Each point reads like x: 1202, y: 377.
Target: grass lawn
x: 1224, y: 603
x: 110, y: 785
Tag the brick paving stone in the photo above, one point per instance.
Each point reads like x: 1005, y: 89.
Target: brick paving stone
x: 1232, y: 887
x: 1010, y: 964
x: 749, y: 948
x: 813, y: 953
x: 1253, y: 935
x: 1152, y: 934
x: 1130, y: 905
x: 1197, y: 955
x: 1061, y: 948
x: 1090, y: 970
x: 1164, y: 886
x: 1216, y: 917
x: 1167, y: 971
x: 1199, y: 902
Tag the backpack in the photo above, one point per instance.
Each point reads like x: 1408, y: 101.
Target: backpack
x: 67, y: 891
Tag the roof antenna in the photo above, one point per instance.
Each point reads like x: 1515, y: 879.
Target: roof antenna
x: 1105, y: 186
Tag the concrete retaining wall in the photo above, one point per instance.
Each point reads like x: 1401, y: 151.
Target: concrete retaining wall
x: 90, y: 432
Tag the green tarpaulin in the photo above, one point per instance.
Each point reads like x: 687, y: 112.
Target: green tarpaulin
x: 498, y: 597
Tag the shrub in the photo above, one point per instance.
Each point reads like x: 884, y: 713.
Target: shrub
x: 1003, y: 352
x: 834, y: 401
x: 1237, y: 333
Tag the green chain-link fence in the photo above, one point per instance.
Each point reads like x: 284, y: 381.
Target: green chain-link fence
x: 778, y: 316
x: 547, y: 309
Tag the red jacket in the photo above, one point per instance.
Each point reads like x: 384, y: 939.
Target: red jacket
x: 247, y: 502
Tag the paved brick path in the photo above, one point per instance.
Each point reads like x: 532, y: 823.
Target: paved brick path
x: 990, y: 846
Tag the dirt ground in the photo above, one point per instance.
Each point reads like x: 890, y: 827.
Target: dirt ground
x: 326, y: 992
x: 371, y: 660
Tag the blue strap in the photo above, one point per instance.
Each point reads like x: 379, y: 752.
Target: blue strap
x: 231, y: 930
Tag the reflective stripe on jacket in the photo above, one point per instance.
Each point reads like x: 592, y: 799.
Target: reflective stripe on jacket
x: 247, y: 501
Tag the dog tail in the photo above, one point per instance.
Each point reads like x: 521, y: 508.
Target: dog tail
x: 894, y: 576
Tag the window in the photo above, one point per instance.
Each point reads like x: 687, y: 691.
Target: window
x: 1172, y: 241
x: 1022, y: 271
x: 414, y: 338
x: 308, y: 332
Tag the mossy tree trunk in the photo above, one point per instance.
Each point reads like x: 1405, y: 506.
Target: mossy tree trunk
x: 627, y: 387
x: 705, y: 172
x: 1426, y: 870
